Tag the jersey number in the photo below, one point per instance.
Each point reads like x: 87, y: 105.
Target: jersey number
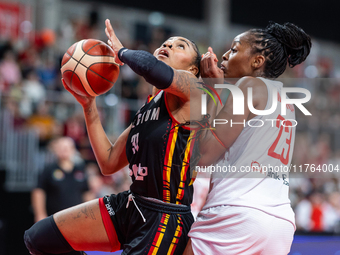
x: 134, y: 142
x: 287, y: 128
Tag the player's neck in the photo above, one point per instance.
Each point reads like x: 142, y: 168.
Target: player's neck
x: 155, y: 91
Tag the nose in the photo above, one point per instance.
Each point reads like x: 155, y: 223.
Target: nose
x: 225, y: 56
x: 167, y: 44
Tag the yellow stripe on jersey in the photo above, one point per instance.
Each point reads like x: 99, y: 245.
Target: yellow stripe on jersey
x: 168, y: 164
x: 185, y: 165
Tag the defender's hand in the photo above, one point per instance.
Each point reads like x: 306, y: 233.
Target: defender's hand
x: 210, y: 72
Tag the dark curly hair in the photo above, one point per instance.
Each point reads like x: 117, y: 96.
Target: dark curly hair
x: 197, y: 59
x: 280, y: 44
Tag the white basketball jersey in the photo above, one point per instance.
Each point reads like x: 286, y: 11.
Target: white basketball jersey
x: 264, y: 149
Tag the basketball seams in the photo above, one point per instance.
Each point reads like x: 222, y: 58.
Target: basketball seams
x: 70, y: 55
x: 85, y: 53
x: 85, y: 83
x: 81, y: 43
x: 88, y: 69
x: 81, y: 58
x: 80, y: 80
x: 97, y: 73
x: 78, y: 61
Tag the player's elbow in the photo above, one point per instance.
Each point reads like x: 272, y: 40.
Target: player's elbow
x: 108, y: 169
x: 105, y: 170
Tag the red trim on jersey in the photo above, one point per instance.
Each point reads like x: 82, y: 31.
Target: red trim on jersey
x: 150, y: 97
x: 109, y: 227
x: 172, y: 117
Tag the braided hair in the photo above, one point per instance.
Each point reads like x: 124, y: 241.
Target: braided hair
x: 280, y: 44
x: 197, y: 58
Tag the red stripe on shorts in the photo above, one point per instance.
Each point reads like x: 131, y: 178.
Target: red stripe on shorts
x: 109, y: 227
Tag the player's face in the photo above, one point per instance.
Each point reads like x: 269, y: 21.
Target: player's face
x: 237, y: 61
x: 177, y: 52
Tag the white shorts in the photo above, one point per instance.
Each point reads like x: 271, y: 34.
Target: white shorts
x: 231, y: 230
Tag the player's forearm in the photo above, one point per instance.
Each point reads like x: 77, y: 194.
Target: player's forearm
x: 100, y: 143
x: 145, y: 64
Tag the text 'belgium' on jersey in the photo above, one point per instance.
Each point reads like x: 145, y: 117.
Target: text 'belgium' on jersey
x: 159, y: 151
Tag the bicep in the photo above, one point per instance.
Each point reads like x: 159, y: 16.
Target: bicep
x: 184, y: 85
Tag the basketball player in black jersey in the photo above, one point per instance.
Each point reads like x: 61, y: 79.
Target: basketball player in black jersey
x: 154, y: 217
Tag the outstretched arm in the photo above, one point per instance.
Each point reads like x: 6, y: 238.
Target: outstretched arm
x: 178, y: 82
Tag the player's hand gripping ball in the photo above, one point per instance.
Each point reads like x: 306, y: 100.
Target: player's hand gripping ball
x: 89, y: 68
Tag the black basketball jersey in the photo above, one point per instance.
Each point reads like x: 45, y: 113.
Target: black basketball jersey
x: 159, y: 151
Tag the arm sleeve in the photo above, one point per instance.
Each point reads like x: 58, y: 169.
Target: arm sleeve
x: 145, y: 64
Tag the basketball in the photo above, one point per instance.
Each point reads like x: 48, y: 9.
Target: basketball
x: 89, y: 68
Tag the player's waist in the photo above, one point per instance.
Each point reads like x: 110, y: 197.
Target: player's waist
x: 161, y: 206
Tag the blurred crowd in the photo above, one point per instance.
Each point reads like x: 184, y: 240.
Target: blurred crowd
x: 32, y: 92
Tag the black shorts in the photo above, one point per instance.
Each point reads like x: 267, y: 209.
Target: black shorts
x: 165, y: 230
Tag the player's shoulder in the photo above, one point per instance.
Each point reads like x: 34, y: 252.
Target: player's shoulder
x: 249, y: 81
x: 255, y: 83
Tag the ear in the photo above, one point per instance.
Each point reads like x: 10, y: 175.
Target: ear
x: 258, y: 62
x: 193, y: 70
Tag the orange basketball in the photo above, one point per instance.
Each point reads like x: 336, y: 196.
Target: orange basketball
x: 89, y: 68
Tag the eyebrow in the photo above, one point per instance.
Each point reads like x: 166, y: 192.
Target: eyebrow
x: 238, y: 42
x: 184, y: 41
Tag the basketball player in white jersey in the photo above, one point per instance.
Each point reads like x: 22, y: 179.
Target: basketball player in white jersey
x: 248, y: 211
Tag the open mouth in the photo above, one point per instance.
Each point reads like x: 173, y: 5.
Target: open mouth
x: 163, y: 53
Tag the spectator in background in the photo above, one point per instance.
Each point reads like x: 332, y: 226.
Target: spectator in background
x: 316, y: 214
x: 62, y: 184
x: 12, y: 107
x: 44, y: 123
x: 9, y: 71
x: 75, y: 128
x: 33, y: 89
x: 30, y: 59
x: 48, y: 74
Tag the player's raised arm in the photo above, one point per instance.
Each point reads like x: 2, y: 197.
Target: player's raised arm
x: 167, y: 68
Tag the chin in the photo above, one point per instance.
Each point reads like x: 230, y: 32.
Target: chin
x: 165, y: 60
